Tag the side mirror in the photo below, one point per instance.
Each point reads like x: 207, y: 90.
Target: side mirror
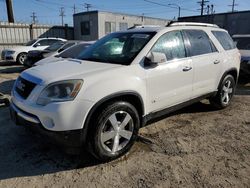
x: 154, y: 58
x: 37, y: 44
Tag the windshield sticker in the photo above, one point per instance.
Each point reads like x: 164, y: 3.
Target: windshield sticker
x: 143, y: 36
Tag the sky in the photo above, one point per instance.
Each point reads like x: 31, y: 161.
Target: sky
x: 47, y: 11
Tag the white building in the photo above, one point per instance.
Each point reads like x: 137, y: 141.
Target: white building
x: 93, y: 25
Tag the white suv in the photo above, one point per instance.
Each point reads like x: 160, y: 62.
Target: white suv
x: 124, y: 80
x: 19, y: 53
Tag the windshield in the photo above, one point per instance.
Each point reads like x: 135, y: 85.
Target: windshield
x: 30, y: 42
x: 55, y: 46
x: 117, y: 48
x: 74, y: 51
x: 243, y: 43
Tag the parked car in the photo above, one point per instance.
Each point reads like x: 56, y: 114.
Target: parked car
x: 243, y: 44
x: 34, y: 56
x: 19, y: 53
x: 102, y: 100
x: 72, y: 52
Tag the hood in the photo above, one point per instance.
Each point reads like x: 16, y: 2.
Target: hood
x: 66, y: 69
x: 19, y: 48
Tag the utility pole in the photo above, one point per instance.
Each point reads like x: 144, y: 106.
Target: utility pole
x: 233, y: 5
x: 62, y: 14
x: 212, y: 9
x: 202, y: 4
x: 33, y: 16
x: 10, y: 11
x: 208, y: 9
x: 87, y: 6
x: 74, y: 8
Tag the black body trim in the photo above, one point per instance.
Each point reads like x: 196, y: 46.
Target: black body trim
x: 150, y: 117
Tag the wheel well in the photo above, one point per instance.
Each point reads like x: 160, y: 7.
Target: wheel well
x: 132, y: 98
x: 234, y: 73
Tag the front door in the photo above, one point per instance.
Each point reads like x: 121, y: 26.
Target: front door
x: 169, y: 83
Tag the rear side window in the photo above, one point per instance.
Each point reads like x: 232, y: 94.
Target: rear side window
x: 200, y: 43
x: 171, y: 44
x: 224, y: 39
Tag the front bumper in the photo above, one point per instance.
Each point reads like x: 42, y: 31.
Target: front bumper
x: 7, y: 57
x: 67, y: 139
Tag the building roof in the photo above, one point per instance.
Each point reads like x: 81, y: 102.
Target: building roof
x: 225, y: 13
x: 118, y: 13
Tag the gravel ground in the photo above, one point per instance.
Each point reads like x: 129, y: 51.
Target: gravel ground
x: 194, y: 147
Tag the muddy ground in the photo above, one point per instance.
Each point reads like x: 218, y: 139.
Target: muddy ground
x: 194, y: 147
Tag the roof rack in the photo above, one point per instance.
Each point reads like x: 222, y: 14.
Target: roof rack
x: 144, y: 26
x: 192, y: 24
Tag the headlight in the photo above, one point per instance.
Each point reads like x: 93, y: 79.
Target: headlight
x: 60, y: 91
x: 9, y: 52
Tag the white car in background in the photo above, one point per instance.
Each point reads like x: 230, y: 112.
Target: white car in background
x: 19, y: 53
x: 72, y: 52
x: 243, y: 44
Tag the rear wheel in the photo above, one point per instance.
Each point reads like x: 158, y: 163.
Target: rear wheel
x: 225, y: 93
x: 115, y: 131
x: 21, y: 58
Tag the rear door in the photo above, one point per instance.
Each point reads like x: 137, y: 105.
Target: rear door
x: 206, y: 61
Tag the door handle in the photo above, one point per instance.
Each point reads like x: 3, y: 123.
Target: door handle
x: 216, y: 61
x: 185, y: 69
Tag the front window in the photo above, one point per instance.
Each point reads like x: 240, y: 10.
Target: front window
x: 30, y: 42
x: 117, y: 48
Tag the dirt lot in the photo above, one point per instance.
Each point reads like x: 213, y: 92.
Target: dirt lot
x: 194, y: 147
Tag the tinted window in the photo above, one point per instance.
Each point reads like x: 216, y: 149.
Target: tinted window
x: 64, y: 47
x: 117, y: 48
x: 171, y: 44
x: 47, y: 42
x: 85, y: 28
x: 224, y: 39
x: 74, y: 51
x: 199, y: 42
x: 55, y: 46
x: 243, y: 43
x: 30, y: 42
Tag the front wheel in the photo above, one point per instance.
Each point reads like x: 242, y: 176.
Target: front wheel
x: 115, y: 131
x: 225, y: 93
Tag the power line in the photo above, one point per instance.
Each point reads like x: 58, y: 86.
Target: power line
x: 233, y: 5
x: 169, y: 6
x: 62, y: 14
x: 202, y: 4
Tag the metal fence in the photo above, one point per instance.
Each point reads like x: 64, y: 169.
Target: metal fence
x: 13, y: 34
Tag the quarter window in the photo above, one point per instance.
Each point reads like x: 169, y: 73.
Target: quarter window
x: 200, y: 43
x: 224, y: 39
x: 171, y: 44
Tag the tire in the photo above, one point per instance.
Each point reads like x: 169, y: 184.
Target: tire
x: 21, y: 58
x: 115, y: 131
x: 225, y: 93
